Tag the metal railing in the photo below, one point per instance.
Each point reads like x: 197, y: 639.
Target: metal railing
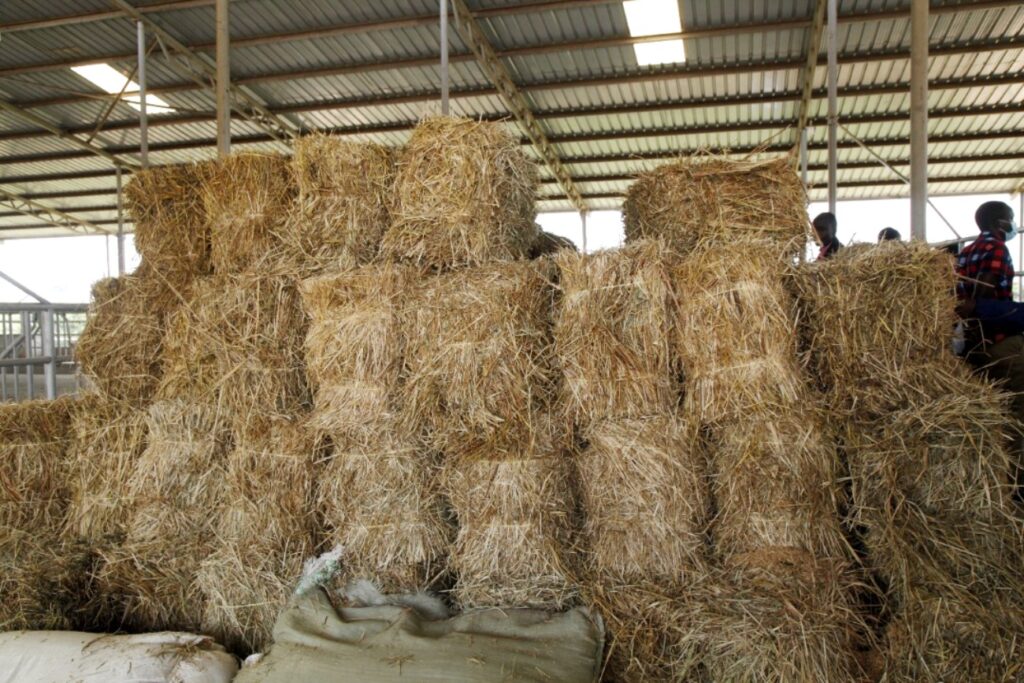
x: 37, y: 343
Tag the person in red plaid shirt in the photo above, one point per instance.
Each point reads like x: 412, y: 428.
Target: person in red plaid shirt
x: 994, y: 347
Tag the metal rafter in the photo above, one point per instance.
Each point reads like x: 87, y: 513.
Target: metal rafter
x: 49, y: 214
x: 673, y: 105
x: 69, y: 137
x: 529, y: 7
x: 591, y: 136
x: 496, y: 70
x: 739, y: 68
x: 203, y: 71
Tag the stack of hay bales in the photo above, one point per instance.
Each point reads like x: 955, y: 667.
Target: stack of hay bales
x: 343, y: 204
x: 176, y: 489
x: 264, y: 534
x: 696, y: 200
x: 776, y: 606
x: 926, y: 443
x: 643, y: 489
x: 482, y: 386
x: 232, y: 365
x: 377, y: 493
x: 34, y: 437
x: 121, y: 351
x: 120, y: 347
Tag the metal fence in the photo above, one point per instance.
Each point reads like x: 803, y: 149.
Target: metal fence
x: 37, y: 343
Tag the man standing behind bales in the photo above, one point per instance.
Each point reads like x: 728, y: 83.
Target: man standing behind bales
x: 994, y: 343
x: 825, y: 227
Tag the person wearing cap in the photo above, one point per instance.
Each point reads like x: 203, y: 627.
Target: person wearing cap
x: 994, y: 344
x: 889, y: 235
x: 825, y: 227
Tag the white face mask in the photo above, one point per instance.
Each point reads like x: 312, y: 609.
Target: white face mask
x: 1010, y: 229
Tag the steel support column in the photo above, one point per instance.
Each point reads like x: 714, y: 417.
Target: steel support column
x: 803, y: 155
x: 918, y: 118
x: 583, y: 222
x: 833, y: 80
x: 50, y: 368
x: 143, y: 118
x: 444, y: 57
x: 120, y: 225
x: 223, y: 79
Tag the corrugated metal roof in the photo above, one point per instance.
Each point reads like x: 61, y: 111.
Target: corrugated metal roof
x: 368, y: 70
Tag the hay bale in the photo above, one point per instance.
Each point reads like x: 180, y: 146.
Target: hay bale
x: 779, y: 614
x: 715, y: 199
x: 612, y: 333
x: 465, y: 194
x: 480, y: 369
x: 264, y: 534
x: 645, y: 499
x: 517, y: 524
x: 871, y: 311
x: 108, y: 439
x: 238, y: 345
x: 177, y: 487
x: 247, y: 197
x: 379, y: 498
x: 39, y: 591
x: 776, y: 484
x: 652, y: 631
x: 34, y: 437
x: 936, y: 639
x: 355, y: 347
x: 345, y: 190
x: 736, y: 333
x: 932, y: 491
x: 943, y: 444
x: 119, y: 349
x: 171, y: 229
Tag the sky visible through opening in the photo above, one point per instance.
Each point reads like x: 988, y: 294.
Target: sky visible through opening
x: 62, y: 269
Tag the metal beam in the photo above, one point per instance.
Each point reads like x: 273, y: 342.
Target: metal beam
x: 143, y: 97
x: 529, y: 7
x: 49, y: 215
x: 832, y: 40
x: 103, y: 15
x: 201, y: 69
x: 768, y: 125
x: 444, y: 58
x: 171, y: 5
x: 71, y: 138
x: 223, y: 79
x: 847, y: 184
x: 807, y: 75
x: 516, y: 102
x: 676, y: 105
x: 919, y: 119
x: 654, y: 76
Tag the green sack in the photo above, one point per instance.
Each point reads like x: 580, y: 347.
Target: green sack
x: 313, y: 641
